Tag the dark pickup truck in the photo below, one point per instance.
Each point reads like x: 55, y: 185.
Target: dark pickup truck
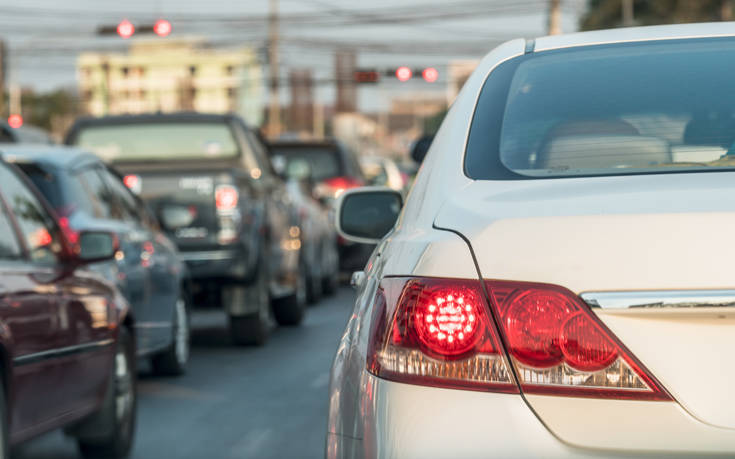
x: 210, y: 182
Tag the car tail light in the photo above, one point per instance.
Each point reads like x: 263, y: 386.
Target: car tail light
x: 133, y: 183
x: 71, y: 235
x: 226, y: 198
x: 437, y: 333
x: 338, y: 185
x: 559, y: 347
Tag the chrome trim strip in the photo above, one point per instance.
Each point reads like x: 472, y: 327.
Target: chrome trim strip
x: 211, y: 255
x: 61, y: 352
x: 661, y: 299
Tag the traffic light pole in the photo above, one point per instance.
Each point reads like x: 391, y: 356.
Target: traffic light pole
x: 274, y: 107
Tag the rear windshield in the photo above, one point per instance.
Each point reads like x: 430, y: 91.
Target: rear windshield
x: 653, y: 107
x: 159, y: 141
x: 324, y: 162
x: 45, y: 182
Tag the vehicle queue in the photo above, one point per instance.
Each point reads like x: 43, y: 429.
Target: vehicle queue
x: 110, y: 241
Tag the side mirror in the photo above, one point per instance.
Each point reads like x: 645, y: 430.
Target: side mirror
x: 96, y: 246
x: 367, y: 214
x: 421, y: 147
x: 175, y: 216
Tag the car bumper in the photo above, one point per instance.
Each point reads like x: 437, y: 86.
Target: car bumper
x: 408, y: 421
x: 221, y: 264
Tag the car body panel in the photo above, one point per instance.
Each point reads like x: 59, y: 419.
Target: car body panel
x: 262, y: 219
x: 147, y: 270
x: 606, y: 234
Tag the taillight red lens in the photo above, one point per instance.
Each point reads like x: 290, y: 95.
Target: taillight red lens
x: 226, y: 197
x: 436, y: 332
x: 558, y: 346
x: 133, y: 183
x: 71, y: 235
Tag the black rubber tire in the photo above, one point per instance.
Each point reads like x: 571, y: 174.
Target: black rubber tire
x: 290, y: 310
x: 168, y: 362
x: 314, y: 289
x: 254, y: 329
x: 4, y: 430
x: 116, y: 438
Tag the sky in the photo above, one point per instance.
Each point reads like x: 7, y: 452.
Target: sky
x: 43, y: 37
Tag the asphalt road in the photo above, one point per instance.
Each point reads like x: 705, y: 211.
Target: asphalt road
x: 235, y: 402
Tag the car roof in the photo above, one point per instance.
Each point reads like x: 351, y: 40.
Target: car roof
x: 58, y: 156
x: 152, y: 118
x: 326, y: 143
x: 635, y: 34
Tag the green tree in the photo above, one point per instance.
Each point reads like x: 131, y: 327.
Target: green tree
x: 605, y: 14
x: 53, y: 111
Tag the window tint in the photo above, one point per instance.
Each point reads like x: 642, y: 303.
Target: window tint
x: 103, y: 202
x: 324, y: 161
x: 129, y: 207
x: 9, y: 247
x: 161, y: 141
x: 36, y: 225
x: 607, y: 110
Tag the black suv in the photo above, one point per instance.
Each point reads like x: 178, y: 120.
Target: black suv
x: 210, y: 182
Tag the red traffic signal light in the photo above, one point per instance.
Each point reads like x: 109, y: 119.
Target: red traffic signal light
x: 403, y: 73
x: 430, y: 74
x: 162, y: 28
x: 125, y: 29
x: 15, y: 121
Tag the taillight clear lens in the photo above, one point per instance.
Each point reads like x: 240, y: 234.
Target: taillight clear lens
x: 558, y: 346
x: 226, y: 198
x: 436, y: 332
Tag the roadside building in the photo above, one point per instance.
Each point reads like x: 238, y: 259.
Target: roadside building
x: 172, y: 75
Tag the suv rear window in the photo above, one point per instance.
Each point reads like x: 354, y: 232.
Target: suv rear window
x: 645, y: 107
x: 325, y: 163
x: 159, y: 141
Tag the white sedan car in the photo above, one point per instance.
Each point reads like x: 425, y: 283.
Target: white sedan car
x: 561, y: 279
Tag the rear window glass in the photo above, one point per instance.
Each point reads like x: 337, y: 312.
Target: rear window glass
x: 159, y: 141
x: 324, y: 162
x: 606, y: 110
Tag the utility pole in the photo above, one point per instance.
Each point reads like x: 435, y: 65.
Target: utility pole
x: 726, y: 10
x: 628, y: 19
x: 15, y: 99
x: 554, y: 17
x: 274, y: 110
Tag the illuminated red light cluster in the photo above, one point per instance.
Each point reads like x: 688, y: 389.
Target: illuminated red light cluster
x: 125, y: 29
x: 15, y: 121
x: 226, y: 197
x: 162, y: 28
x: 449, y: 323
x: 404, y: 73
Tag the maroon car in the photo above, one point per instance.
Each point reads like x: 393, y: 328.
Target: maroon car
x: 66, y: 350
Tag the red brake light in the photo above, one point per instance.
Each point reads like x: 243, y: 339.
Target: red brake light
x: 438, y: 333
x: 558, y: 346
x: 133, y: 183
x: 71, y: 235
x: 226, y: 197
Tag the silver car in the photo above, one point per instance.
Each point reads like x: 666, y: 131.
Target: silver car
x: 559, y: 282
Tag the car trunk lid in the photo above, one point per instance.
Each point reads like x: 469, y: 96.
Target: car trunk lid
x: 666, y: 235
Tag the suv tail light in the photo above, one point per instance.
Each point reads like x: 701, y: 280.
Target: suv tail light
x: 226, y: 198
x: 133, y: 183
x: 559, y: 347
x: 335, y: 186
x: 441, y: 332
x: 437, y: 333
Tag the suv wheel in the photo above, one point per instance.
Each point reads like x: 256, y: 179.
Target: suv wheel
x: 172, y: 361
x: 290, y: 310
x: 253, y: 329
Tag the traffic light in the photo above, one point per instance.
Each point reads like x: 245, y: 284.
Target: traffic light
x: 162, y: 28
x: 125, y: 29
x: 404, y: 73
x: 15, y: 121
x: 430, y: 74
